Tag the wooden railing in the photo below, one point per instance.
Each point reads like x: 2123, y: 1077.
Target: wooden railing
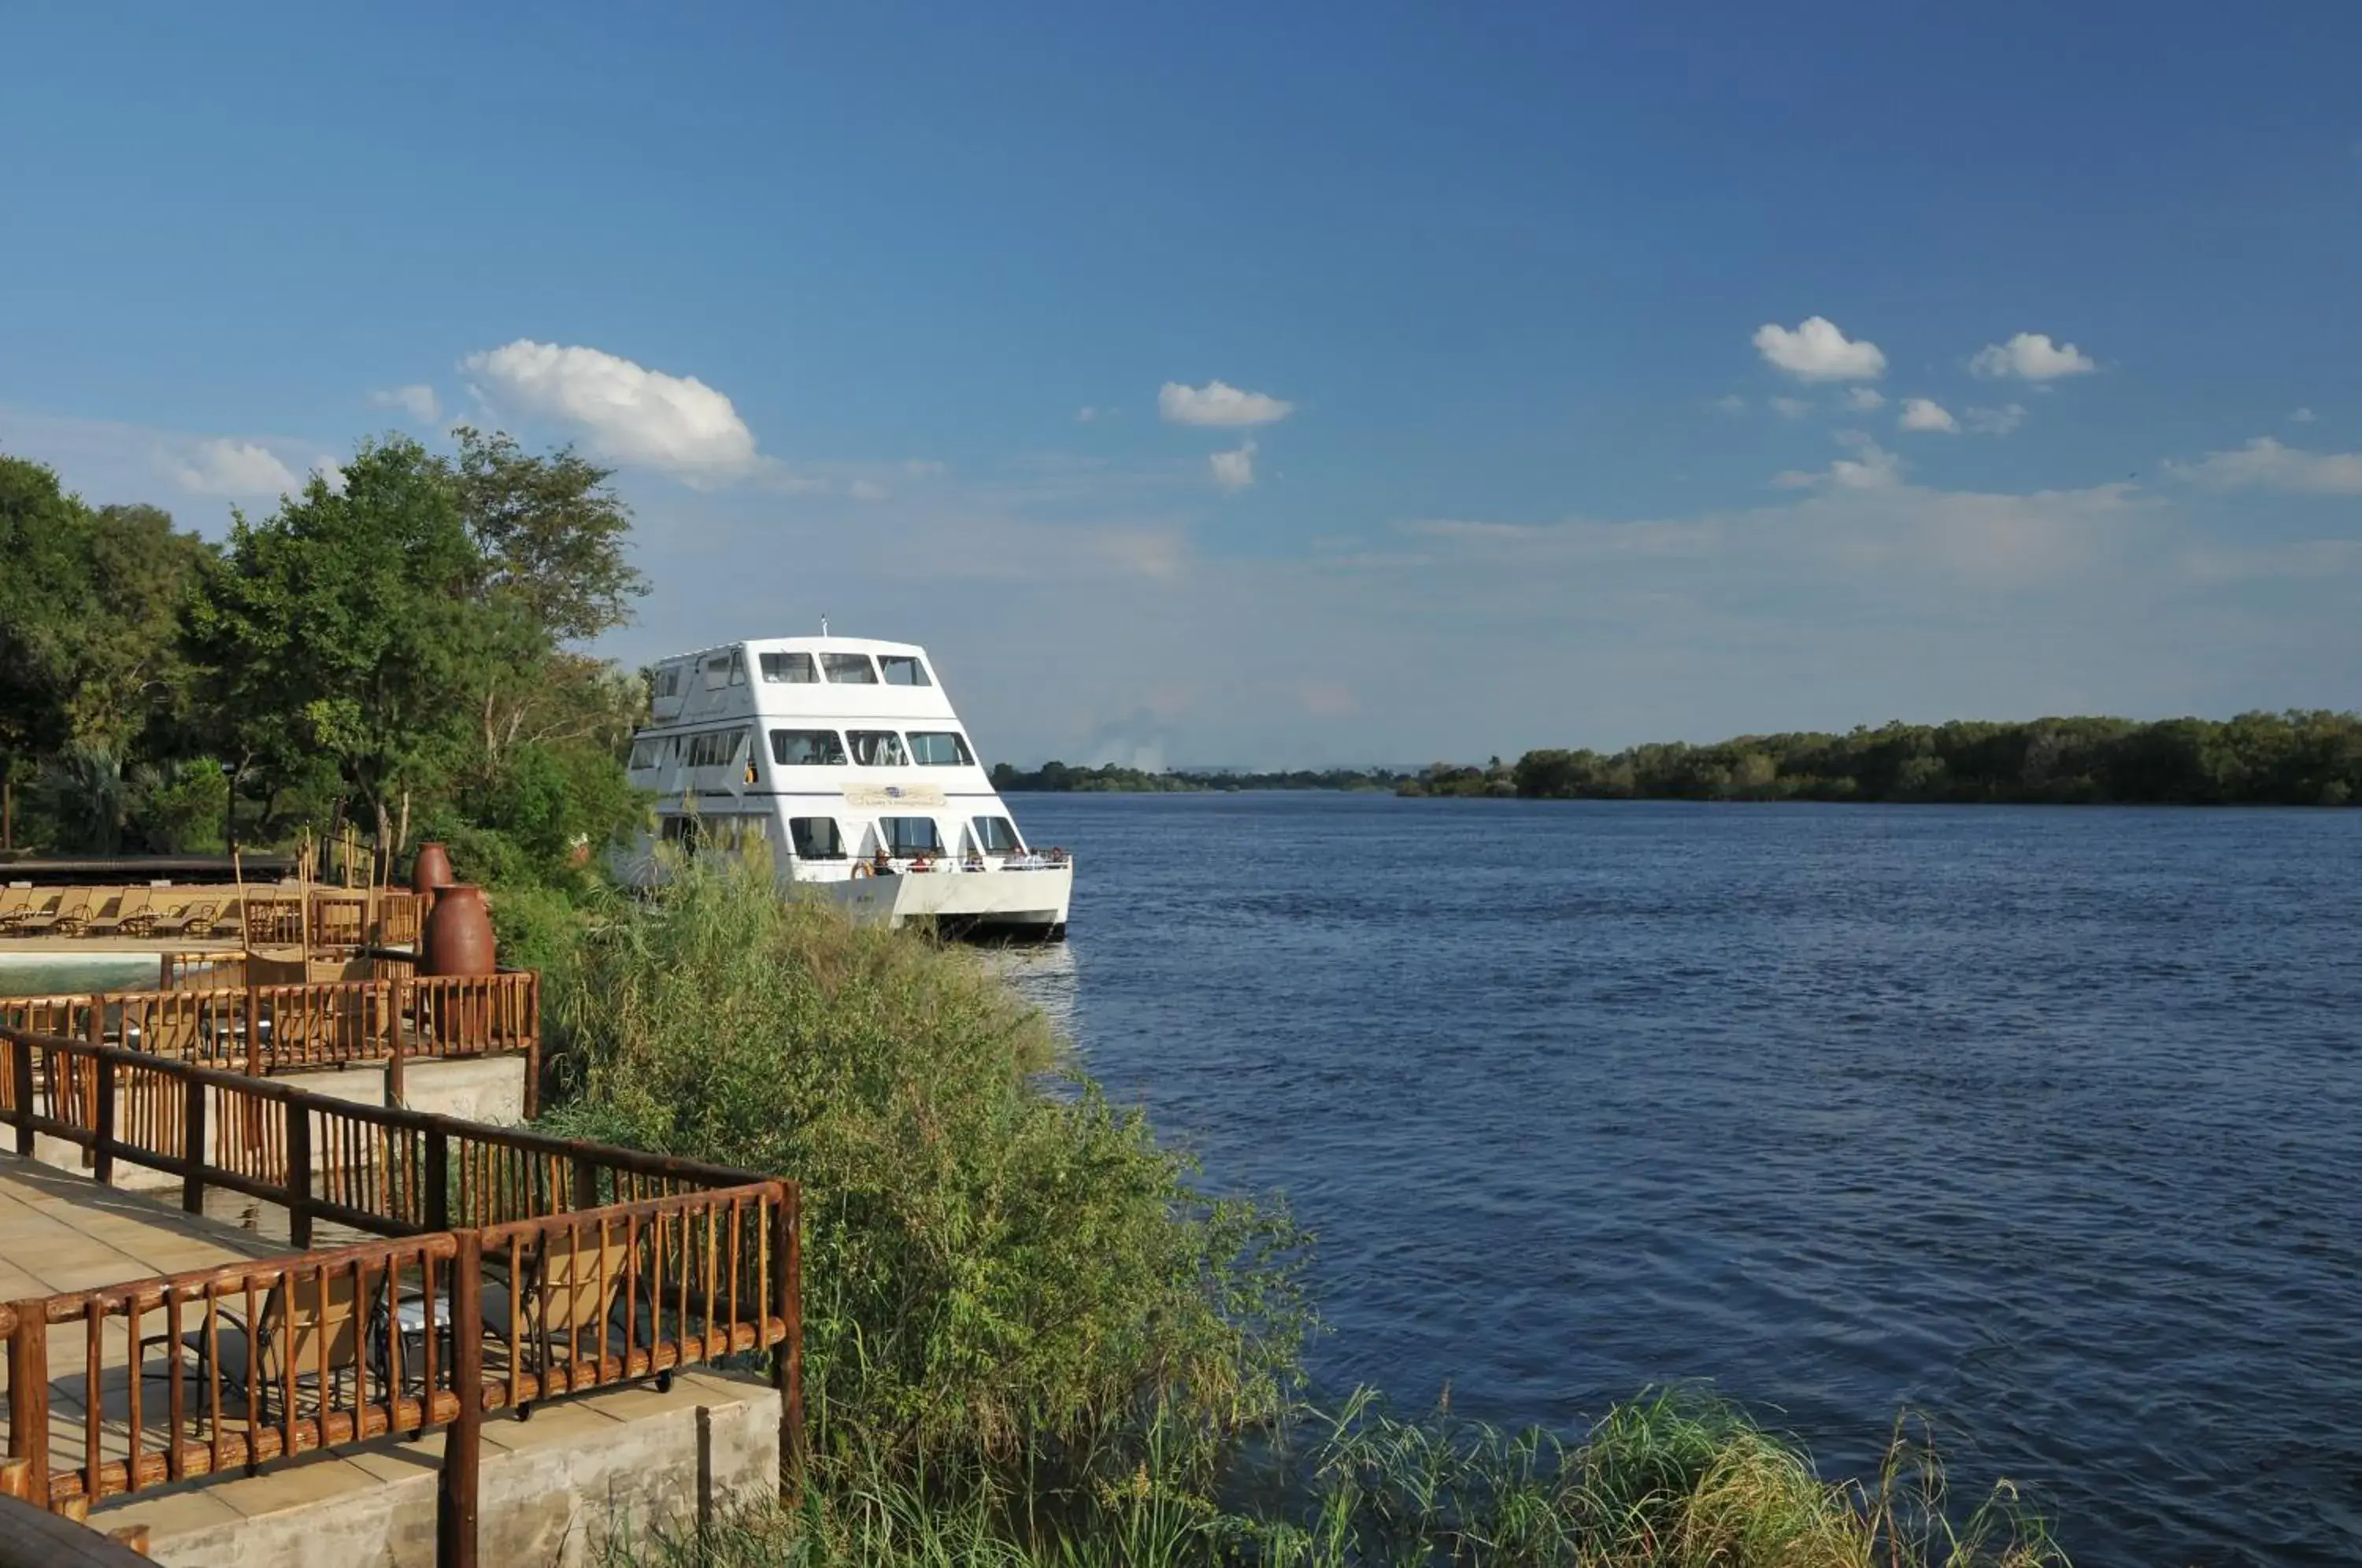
x: 516, y: 1268
x: 271, y: 1029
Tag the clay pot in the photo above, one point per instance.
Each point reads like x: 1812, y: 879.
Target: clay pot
x: 432, y: 869
x: 459, y: 935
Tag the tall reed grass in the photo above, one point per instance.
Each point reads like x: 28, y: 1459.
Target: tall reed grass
x: 1670, y: 1480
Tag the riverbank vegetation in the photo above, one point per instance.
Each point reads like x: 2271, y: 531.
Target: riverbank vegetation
x: 1033, y: 1336
x: 2297, y: 758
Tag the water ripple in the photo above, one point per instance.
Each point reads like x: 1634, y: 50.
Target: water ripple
x: 2042, y: 1122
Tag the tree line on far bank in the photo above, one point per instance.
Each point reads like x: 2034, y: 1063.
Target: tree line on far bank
x: 2295, y: 758
x: 395, y: 647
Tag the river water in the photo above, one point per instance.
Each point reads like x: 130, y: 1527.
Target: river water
x: 2047, y: 1123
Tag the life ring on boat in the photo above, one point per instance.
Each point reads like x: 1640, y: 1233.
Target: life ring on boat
x: 861, y: 869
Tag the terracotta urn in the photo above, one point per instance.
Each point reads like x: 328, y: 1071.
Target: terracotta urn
x: 459, y: 935
x: 432, y: 869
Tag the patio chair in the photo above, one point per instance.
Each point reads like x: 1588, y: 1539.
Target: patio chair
x: 319, y: 1330
x: 133, y: 915
x: 189, y: 919
x: 567, y: 1294
x: 67, y: 917
x: 15, y: 904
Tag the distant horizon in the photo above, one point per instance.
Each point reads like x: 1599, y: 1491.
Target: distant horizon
x: 1507, y: 756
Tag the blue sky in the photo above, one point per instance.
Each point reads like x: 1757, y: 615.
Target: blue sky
x: 1278, y: 384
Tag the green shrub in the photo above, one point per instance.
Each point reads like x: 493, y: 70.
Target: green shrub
x: 1002, y: 1267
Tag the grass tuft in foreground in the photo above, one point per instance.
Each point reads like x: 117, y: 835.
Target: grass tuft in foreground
x: 1672, y: 1480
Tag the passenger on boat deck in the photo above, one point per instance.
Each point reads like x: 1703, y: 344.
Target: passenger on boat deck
x: 883, y: 865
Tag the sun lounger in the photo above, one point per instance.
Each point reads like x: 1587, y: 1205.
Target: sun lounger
x: 190, y: 919
x: 15, y: 903
x: 69, y: 917
x: 133, y: 915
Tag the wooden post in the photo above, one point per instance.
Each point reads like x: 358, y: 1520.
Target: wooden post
x: 28, y: 1397
x: 253, y: 1017
x: 389, y: 997
x: 102, y: 1147
x: 193, y: 1147
x: 586, y: 1182
x: 90, y: 1085
x: 438, y: 1179
x: 788, y: 1356
x: 21, y: 1064
x: 299, y: 1175
x: 455, y: 1501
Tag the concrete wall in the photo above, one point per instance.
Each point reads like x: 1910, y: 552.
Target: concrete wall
x: 553, y: 1489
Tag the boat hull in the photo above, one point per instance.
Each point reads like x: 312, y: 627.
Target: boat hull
x: 1009, y: 905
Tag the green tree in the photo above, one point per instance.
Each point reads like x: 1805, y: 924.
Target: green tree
x: 551, y: 532
x: 44, y: 599
x: 349, y: 626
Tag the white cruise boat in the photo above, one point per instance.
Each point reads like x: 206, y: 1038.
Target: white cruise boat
x: 843, y: 756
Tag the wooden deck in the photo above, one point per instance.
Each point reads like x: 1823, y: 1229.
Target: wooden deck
x: 61, y: 1234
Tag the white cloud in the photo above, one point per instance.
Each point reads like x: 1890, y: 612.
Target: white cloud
x: 1728, y: 402
x: 2032, y: 357
x: 2302, y: 416
x: 1817, y: 351
x: 867, y: 489
x: 626, y: 412
x: 1791, y: 407
x: 1219, y: 402
x: 1234, y: 471
x: 236, y: 469
x: 1926, y: 414
x: 1997, y: 421
x: 2264, y: 464
x: 418, y: 401
x: 1872, y: 466
x: 1865, y: 399
x: 1086, y: 414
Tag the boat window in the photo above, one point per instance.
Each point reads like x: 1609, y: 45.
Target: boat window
x: 875, y: 748
x: 685, y: 832
x: 717, y: 674
x: 738, y: 670
x: 848, y: 668
x: 816, y: 838
x: 1000, y: 836
x: 790, y: 669
x: 940, y: 748
x: 716, y: 748
x: 910, y: 835
x: 807, y: 748
x: 903, y: 669
x: 668, y: 681
x: 646, y: 753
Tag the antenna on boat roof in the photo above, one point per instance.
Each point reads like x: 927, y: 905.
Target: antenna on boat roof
x: 824, y: 625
